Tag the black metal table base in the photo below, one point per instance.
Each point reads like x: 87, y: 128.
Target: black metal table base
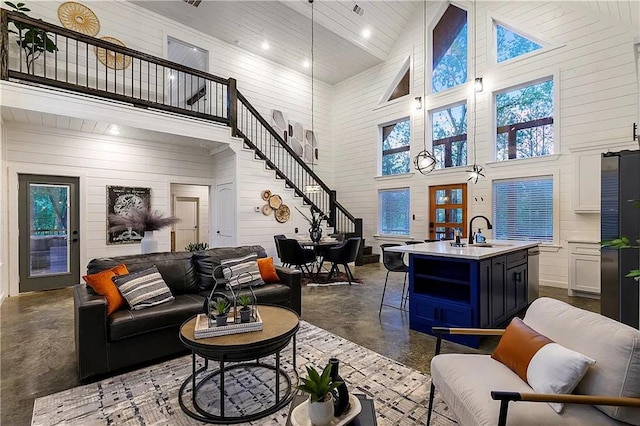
x: 204, y: 416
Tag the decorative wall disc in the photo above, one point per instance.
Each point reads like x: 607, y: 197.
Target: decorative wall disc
x: 111, y: 59
x: 266, y: 194
x: 266, y: 210
x: 78, y: 17
x: 275, y: 201
x: 283, y: 213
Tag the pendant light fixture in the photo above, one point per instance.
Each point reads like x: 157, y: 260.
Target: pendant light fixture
x: 425, y: 161
x: 476, y: 171
x: 312, y: 188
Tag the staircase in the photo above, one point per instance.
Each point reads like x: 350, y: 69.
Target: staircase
x: 216, y: 99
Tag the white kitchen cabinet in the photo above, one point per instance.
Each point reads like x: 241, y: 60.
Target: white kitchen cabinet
x: 586, y: 182
x: 584, y: 267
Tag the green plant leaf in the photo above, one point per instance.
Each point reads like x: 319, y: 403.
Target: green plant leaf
x: 8, y: 3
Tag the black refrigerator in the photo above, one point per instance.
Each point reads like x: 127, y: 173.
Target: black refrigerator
x: 620, y: 186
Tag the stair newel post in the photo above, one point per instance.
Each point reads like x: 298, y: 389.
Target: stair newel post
x: 358, y: 232
x: 4, y: 45
x: 232, y: 99
x: 333, y: 211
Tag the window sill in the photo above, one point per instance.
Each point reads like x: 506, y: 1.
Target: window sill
x: 450, y: 170
x: 391, y: 237
x: 392, y: 177
x: 505, y: 163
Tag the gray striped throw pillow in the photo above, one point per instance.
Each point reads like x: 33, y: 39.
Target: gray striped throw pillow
x: 242, y: 271
x: 143, y: 289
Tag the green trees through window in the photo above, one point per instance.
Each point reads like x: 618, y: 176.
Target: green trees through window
x: 449, y: 51
x: 396, y: 139
x: 510, y: 45
x: 524, y: 121
x: 449, y: 135
x: 49, y: 213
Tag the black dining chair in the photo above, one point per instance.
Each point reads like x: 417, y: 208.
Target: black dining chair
x: 412, y: 242
x: 343, y: 254
x: 277, y: 239
x: 293, y: 254
x: 394, y: 262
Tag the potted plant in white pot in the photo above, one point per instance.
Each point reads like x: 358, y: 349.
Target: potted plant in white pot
x: 144, y: 220
x: 319, y: 387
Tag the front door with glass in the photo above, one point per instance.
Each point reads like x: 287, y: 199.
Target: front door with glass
x: 49, y: 248
x: 447, y: 210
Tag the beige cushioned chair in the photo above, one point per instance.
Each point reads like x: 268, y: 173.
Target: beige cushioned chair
x: 468, y: 383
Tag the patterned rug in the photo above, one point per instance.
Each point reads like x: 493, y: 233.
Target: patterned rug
x: 320, y: 280
x: 149, y: 396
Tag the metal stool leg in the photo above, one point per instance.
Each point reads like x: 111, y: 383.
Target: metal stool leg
x: 383, y: 291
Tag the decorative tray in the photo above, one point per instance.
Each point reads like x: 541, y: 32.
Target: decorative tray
x: 202, y: 329
x: 300, y: 414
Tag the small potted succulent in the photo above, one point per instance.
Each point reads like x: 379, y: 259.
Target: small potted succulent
x: 245, y: 312
x: 319, y: 387
x: 222, y: 311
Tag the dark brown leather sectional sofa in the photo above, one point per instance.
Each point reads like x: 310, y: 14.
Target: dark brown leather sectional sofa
x: 105, y: 344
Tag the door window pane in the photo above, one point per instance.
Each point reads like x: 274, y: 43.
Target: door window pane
x: 49, y: 224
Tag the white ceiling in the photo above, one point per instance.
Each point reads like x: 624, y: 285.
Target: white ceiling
x: 340, y: 51
x: 62, y: 122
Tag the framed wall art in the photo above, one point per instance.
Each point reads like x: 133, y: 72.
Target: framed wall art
x: 120, y: 201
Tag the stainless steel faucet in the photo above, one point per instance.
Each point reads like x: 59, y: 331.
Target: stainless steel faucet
x: 471, y: 233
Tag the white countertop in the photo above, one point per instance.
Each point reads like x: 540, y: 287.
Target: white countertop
x: 445, y: 249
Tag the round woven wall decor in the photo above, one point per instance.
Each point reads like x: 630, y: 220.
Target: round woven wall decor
x: 283, y: 213
x: 78, y: 17
x: 111, y: 59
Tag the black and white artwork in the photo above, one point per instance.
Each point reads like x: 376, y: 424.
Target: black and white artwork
x: 121, y: 200
x: 279, y: 123
x: 296, y: 136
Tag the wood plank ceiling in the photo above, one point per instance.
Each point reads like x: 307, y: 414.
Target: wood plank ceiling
x: 340, y: 50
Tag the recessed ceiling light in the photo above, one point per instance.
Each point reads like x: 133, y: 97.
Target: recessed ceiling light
x: 114, y: 130
x: 366, y: 33
x: 172, y: 77
x: 195, y: 49
x: 306, y: 63
x: 265, y: 45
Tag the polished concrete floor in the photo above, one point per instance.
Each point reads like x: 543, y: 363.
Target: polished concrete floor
x: 37, y: 348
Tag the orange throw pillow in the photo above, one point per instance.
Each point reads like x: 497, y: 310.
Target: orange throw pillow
x: 268, y: 271
x: 101, y: 283
x: 518, y: 345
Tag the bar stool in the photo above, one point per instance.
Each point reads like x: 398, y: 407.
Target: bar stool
x: 394, y: 263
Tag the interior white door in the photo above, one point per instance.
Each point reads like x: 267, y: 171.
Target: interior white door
x: 186, y: 209
x: 225, y: 215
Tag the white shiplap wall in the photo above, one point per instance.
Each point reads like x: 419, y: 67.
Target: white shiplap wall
x: 597, y: 101
x: 100, y: 161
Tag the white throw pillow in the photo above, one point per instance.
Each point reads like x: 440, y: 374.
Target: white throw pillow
x: 556, y: 369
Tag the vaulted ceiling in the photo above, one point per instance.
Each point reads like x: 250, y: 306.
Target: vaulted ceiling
x: 340, y: 50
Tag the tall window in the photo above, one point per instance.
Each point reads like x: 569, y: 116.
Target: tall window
x: 395, y: 148
x: 449, y: 50
x: 510, y: 44
x: 523, y: 209
x: 524, y: 120
x: 393, y: 211
x: 449, y: 135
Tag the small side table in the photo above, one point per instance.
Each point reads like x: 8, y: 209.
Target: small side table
x: 280, y: 328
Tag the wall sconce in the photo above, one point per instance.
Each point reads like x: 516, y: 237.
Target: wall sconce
x: 479, y: 86
x: 417, y: 103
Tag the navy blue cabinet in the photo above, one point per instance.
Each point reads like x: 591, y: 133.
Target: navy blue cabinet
x: 456, y: 292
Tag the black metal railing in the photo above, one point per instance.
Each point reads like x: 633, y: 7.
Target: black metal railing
x: 92, y: 66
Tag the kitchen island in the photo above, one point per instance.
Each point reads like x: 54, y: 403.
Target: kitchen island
x: 478, y: 286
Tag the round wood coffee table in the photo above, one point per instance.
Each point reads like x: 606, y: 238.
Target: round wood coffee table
x: 280, y: 327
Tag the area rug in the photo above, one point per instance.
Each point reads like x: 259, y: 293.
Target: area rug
x: 149, y: 396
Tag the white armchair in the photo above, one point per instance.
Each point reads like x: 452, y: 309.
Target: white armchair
x: 479, y: 389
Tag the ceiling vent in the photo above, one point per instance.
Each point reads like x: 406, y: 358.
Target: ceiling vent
x: 356, y: 9
x: 194, y: 3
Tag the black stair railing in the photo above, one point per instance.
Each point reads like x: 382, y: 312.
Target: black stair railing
x: 95, y: 67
